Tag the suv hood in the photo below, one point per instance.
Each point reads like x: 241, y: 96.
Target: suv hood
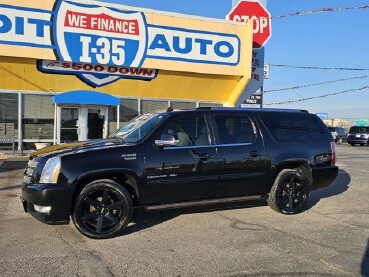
x: 80, y: 146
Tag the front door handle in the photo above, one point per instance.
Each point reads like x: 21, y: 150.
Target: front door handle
x: 204, y: 157
x: 254, y: 153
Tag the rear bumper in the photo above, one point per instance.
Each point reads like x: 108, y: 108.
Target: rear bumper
x: 324, y: 176
x: 357, y: 140
x: 58, y: 197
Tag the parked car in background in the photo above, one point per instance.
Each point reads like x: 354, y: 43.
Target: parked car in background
x: 339, y: 134
x: 358, y: 135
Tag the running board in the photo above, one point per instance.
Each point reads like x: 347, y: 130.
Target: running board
x: 199, y: 203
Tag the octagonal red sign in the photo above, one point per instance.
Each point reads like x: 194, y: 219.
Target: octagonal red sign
x: 253, y: 9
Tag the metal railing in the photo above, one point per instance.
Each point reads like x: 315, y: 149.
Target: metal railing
x: 7, y: 142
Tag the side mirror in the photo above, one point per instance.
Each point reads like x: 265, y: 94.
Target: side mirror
x: 166, y: 140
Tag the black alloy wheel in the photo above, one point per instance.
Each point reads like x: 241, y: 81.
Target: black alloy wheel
x: 290, y: 192
x: 102, y: 210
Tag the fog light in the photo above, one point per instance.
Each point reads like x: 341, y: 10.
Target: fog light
x: 42, y: 209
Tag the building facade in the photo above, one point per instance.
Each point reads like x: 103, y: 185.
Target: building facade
x: 75, y: 70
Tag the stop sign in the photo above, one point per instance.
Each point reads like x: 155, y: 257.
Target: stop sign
x: 253, y: 9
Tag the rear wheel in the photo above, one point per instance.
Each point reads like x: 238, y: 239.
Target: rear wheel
x: 102, y: 210
x: 290, y: 192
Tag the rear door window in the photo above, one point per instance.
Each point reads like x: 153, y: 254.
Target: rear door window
x: 234, y: 129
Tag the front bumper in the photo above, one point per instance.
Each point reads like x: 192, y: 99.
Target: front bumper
x: 323, y: 176
x: 58, y: 197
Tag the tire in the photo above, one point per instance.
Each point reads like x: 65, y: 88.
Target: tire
x: 339, y: 140
x: 102, y: 210
x: 289, y: 193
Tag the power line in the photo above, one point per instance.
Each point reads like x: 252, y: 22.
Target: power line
x: 320, y: 11
x: 320, y: 68
x: 320, y: 96
x: 316, y: 84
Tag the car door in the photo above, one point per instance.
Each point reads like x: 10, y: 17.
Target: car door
x: 185, y: 171
x: 241, y: 151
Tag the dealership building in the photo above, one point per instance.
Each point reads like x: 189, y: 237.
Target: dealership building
x: 76, y: 70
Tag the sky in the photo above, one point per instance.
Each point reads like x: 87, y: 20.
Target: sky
x: 338, y: 39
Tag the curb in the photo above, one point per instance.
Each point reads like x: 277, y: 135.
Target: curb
x: 13, y: 157
x: 5, y: 156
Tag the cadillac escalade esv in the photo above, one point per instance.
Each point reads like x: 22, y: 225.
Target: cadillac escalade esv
x: 181, y: 158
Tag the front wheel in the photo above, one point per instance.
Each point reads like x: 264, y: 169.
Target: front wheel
x: 290, y: 192
x: 102, y: 209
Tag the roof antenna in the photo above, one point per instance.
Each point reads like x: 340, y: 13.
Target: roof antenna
x: 170, y: 109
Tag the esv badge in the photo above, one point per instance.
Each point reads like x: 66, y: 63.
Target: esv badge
x: 99, y: 35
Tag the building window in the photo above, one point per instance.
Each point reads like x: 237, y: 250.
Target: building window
x: 182, y: 105
x: 210, y: 105
x: 9, y: 114
x: 153, y: 105
x: 128, y: 109
x: 38, y: 117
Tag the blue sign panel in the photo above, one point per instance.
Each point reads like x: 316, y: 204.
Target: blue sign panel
x: 322, y: 115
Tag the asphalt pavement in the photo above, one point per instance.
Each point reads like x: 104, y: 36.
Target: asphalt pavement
x: 331, y: 238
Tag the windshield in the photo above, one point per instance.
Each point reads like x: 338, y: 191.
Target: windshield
x: 138, y: 128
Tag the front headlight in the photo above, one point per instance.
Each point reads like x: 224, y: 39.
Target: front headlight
x: 51, y: 170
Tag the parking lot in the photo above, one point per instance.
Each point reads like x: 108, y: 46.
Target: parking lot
x: 331, y: 238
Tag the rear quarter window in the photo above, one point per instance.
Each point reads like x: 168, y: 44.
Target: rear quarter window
x: 294, y: 127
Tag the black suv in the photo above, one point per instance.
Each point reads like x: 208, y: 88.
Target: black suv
x: 181, y: 158
x: 358, y: 135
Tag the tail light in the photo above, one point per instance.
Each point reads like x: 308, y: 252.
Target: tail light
x: 334, y: 154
